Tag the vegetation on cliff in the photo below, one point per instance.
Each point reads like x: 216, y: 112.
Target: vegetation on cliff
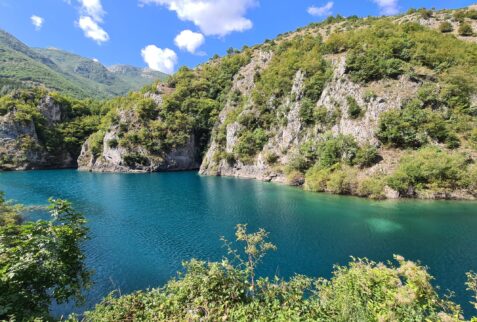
x: 56, y: 127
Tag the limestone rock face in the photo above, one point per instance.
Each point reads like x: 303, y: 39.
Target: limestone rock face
x: 136, y: 158
x: 20, y: 146
x: 287, y: 139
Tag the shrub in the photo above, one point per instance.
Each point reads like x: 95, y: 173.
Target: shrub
x: 354, y: 110
x: 372, y: 187
x: 425, y: 14
x: 339, y: 179
x: 307, y: 111
x: 113, y: 143
x: 250, y: 143
x: 96, y: 143
x: 445, y: 27
x: 465, y: 30
x: 295, y: 178
x: 42, y: 262
x: 135, y: 159
x: 366, y: 156
x: 271, y: 157
x: 472, y: 14
x: 429, y: 169
x: 332, y: 150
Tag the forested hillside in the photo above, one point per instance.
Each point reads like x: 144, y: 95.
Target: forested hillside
x: 375, y: 107
x: 57, y: 70
x: 348, y: 106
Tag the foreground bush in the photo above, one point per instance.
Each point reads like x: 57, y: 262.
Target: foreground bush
x: 40, y: 262
x: 228, y: 291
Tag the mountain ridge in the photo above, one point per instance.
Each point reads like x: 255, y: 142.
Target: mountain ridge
x: 66, y: 72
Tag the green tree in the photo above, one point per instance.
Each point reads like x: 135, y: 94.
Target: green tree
x: 255, y: 249
x: 42, y: 261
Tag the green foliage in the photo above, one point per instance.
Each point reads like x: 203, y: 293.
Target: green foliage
x: 96, y: 143
x: 250, y: 143
x: 430, y: 169
x: 303, y: 53
x: 9, y: 214
x: 333, y: 150
x: 338, y: 179
x: 366, y: 156
x: 354, y: 110
x: 387, y: 50
x: 413, y: 126
x: 445, y: 27
x: 472, y: 286
x: 40, y: 262
x: 372, y: 187
x: 362, y: 291
x: 307, y: 111
x: 465, y: 29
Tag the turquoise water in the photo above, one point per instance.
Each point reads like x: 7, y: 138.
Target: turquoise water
x: 144, y: 226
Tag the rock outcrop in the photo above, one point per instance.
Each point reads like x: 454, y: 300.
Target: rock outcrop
x: 22, y: 148
x: 135, y: 158
x: 285, y: 144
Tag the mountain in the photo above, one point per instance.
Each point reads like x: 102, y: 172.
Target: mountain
x: 376, y: 107
x: 66, y: 72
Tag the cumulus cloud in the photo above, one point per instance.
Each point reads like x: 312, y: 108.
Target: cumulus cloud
x: 91, y: 16
x: 92, y: 8
x: 213, y: 17
x: 189, y: 40
x: 163, y: 60
x: 321, y: 11
x: 92, y: 30
x: 388, y: 7
x: 37, y: 21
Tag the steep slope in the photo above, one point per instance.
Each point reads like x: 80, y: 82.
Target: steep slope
x: 375, y: 107
x: 21, y: 66
x: 399, y: 95
x: 165, y: 127
x: 41, y: 130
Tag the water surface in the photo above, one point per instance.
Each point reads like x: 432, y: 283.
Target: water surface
x: 144, y: 225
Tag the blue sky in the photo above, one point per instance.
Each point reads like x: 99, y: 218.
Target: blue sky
x: 166, y: 34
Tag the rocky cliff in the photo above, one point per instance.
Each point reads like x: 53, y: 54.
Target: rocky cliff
x: 22, y: 144
x: 375, y: 107
x: 121, y: 145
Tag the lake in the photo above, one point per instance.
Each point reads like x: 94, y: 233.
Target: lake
x: 142, y: 226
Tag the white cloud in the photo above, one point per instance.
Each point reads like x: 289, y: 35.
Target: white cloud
x: 37, y: 22
x: 388, y: 7
x: 92, y: 30
x: 321, y: 11
x: 163, y: 60
x: 96, y: 60
x: 213, y: 17
x: 92, y: 8
x: 189, y: 40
